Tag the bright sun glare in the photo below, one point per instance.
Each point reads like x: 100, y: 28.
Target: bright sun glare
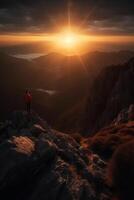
x: 67, y: 40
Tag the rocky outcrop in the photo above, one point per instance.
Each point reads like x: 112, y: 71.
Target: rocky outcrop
x: 125, y: 115
x: 112, y: 92
x: 37, y: 162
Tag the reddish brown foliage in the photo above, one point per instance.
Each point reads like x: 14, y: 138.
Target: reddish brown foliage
x: 109, y: 139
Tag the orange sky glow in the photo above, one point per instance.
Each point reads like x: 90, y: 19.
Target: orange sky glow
x: 67, y: 41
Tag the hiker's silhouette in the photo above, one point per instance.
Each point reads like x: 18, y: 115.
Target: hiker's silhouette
x: 28, y: 100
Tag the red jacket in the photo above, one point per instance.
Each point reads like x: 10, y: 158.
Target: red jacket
x: 28, y: 98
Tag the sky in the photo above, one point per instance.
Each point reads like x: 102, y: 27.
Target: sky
x: 93, y: 17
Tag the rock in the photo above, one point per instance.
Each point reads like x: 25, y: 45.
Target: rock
x: 41, y: 163
x: 45, y: 148
x: 23, y: 145
x: 37, y: 129
x: 105, y: 197
x: 25, y: 132
x: 124, y: 115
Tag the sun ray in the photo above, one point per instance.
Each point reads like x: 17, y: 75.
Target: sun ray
x: 69, y: 14
x: 83, y: 64
x: 89, y: 15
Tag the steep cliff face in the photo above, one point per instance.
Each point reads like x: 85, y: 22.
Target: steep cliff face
x: 112, y: 91
x: 38, y: 162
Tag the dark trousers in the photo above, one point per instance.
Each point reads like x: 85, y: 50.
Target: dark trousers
x: 28, y: 107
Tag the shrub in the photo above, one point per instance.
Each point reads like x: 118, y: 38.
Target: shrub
x: 107, y: 141
x: 105, y: 145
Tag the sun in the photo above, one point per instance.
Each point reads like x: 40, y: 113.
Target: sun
x: 70, y: 41
x: 67, y: 40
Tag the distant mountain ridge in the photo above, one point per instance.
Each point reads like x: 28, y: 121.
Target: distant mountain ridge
x: 71, y: 76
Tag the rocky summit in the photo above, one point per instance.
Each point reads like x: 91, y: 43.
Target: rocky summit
x: 40, y: 163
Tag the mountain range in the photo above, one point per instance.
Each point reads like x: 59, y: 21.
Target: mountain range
x: 73, y: 78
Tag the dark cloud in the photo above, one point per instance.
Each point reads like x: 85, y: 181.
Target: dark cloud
x: 104, y: 16
x: 117, y: 25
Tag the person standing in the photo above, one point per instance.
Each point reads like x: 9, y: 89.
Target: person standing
x: 28, y: 100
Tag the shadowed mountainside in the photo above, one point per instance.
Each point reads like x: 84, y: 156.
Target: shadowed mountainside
x: 112, y: 92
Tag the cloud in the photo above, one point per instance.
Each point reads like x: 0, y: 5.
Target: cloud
x: 100, y: 16
x: 116, y: 25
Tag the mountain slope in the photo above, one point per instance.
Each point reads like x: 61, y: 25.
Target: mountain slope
x: 112, y: 91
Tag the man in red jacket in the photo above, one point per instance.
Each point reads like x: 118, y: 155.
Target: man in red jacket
x: 28, y: 100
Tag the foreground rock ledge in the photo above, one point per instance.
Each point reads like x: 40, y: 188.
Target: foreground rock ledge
x: 38, y: 163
